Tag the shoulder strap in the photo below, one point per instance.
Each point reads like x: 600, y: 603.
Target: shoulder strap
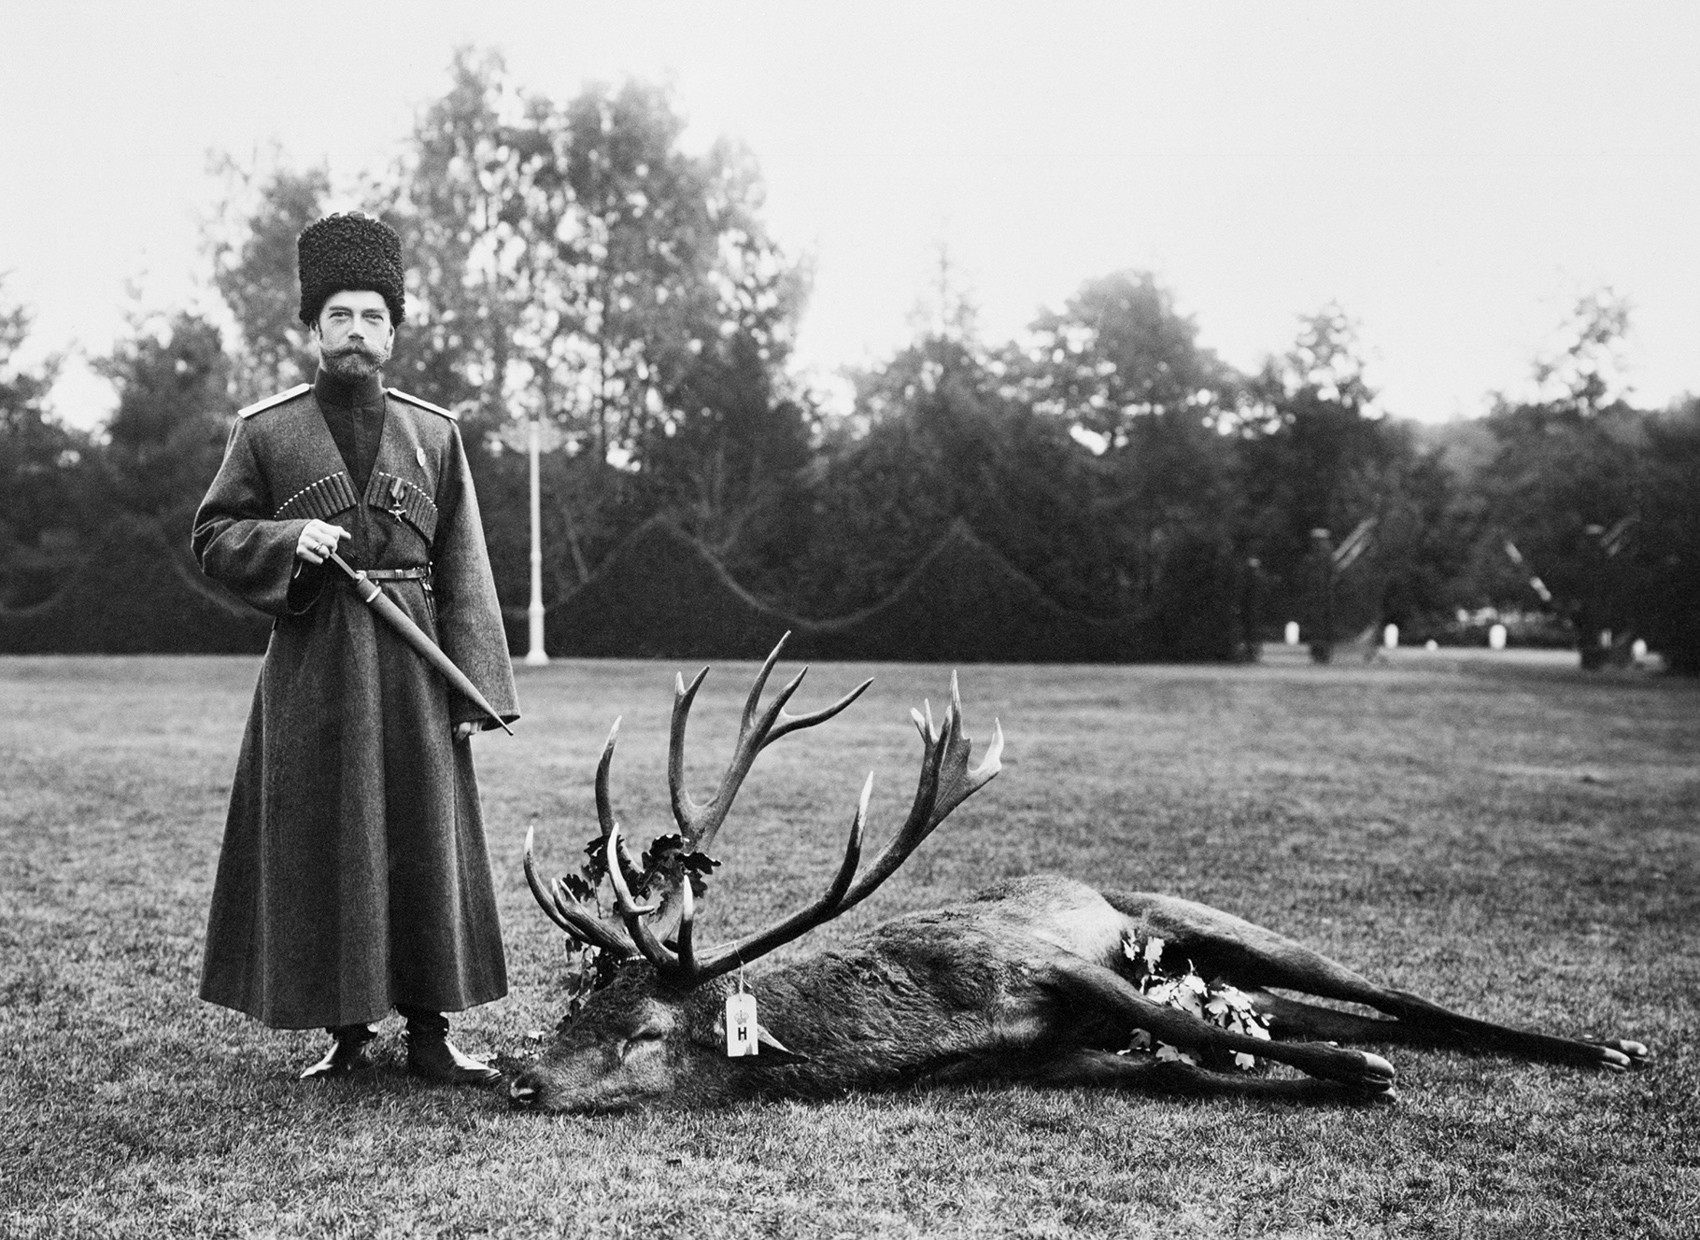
x: 260, y: 406
x: 422, y: 404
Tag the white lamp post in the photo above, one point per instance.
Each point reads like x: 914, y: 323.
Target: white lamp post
x: 536, y: 656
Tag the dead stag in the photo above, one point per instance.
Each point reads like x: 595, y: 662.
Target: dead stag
x: 1033, y: 979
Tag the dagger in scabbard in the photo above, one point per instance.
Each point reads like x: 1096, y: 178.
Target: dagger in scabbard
x: 369, y: 593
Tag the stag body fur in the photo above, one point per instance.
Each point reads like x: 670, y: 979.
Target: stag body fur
x: 1026, y: 981
x: 947, y: 993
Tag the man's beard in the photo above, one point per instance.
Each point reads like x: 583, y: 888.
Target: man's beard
x: 354, y: 361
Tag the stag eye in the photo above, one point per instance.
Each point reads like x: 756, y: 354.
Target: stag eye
x: 645, y: 1034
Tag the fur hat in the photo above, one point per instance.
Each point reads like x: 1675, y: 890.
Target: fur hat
x: 349, y: 250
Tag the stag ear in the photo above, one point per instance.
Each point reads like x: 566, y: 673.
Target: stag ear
x: 773, y: 1051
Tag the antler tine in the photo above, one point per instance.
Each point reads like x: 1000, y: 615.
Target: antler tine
x: 538, y: 892
x: 687, y: 920
x: 960, y: 783
x: 566, y: 912
x: 685, y: 810
x: 945, y: 783
x: 754, y: 700
x: 698, y: 823
x: 614, y: 853
x: 920, y: 822
x: 635, y: 914
x: 604, y: 806
x: 789, y: 723
x: 729, y: 956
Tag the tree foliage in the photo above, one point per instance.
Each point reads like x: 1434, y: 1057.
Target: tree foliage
x: 252, y: 248
x: 40, y: 471
x: 944, y: 442
x: 166, y: 438
x: 1121, y: 372
x: 571, y: 264
x: 1564, y: 485
x: 1665, y: 597
x: 575, y: 271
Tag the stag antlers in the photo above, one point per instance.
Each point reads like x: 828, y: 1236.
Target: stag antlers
x: 662, y: 931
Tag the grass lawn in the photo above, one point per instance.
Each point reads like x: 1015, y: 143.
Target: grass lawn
x: 1507, y: 836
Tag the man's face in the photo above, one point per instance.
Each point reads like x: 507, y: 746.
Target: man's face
x: 354, y: 333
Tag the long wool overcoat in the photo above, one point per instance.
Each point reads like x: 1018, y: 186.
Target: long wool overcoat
x: 354, y: 875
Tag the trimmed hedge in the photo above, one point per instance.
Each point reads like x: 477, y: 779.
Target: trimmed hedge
x: 137, y: 592
x: 662, y: 595
x: 659, y: 595
x: 965, y: 603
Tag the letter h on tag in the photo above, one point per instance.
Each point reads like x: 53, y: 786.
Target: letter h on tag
x: 741, y: 1035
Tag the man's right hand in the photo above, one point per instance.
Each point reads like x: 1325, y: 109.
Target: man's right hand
x: 318, y: 539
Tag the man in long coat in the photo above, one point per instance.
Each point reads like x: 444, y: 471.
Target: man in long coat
x: 353, y: 876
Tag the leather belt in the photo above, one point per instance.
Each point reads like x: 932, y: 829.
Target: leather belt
x: 421, y: 573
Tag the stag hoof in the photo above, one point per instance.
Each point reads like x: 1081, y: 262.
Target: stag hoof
x: 1375, y: 1076
x: 1379, y: 1068
x: 1386, y: 1096
x: 1620, y: 1054
x: 438, y: 1060
x: 350, y: 1049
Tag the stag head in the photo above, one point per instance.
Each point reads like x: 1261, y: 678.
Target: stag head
x: 653, y: 1034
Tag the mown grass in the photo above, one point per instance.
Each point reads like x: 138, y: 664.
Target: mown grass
x: 1513, y: 838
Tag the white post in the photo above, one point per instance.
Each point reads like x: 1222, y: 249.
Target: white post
x: 536, y: 656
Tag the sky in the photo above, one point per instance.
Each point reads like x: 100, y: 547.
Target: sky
x: 1455, y: 176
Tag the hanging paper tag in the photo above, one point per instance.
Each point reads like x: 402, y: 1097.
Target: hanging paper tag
x: 741, y: 1037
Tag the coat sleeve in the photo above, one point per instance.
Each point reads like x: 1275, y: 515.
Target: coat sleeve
x: 241, y: 546
x: 469, y: 617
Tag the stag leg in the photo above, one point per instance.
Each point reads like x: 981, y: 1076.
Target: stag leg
x: 1096, y: 988
x: 1254, y: 959
x: 1293, y: 1021
x: 1105, y: 1069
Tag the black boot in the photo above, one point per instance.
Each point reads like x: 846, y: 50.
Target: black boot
x: 348, y: 1051
x: 431, y: 1055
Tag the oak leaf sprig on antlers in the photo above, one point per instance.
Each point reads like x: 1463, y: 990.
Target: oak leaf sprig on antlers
x: 664, y: 864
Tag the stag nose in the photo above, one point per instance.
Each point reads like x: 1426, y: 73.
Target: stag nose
x: 522, y: 1093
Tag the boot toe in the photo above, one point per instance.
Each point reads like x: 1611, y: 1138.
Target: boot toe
x: 440, y: 1061
x: 347, y: 1054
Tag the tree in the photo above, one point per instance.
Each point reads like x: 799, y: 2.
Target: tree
x: 1565, y: 486
x: 167, y: 436
x: 252, y: 247
x: 1585, y: 373
x: 1317, y: 455
x: 1666, y: 597
x: 569, y: 263
x: 41, y: 516
x: 936, y: 437
x: 1122, y: 371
